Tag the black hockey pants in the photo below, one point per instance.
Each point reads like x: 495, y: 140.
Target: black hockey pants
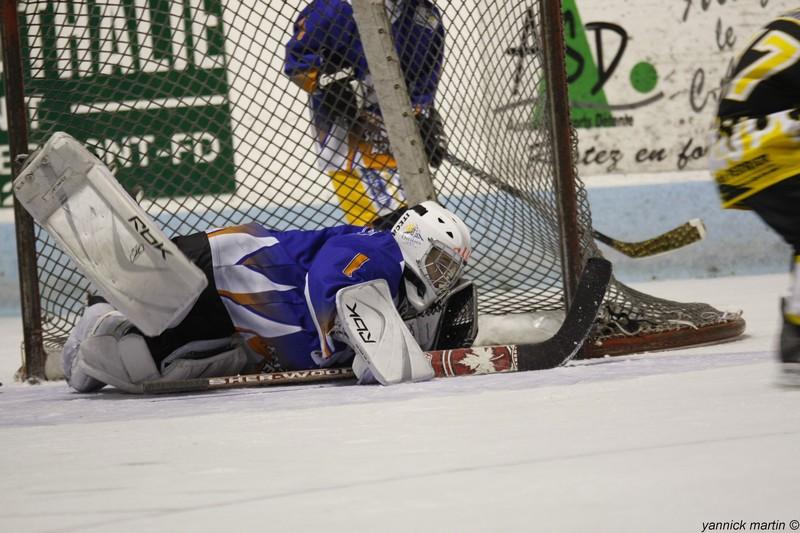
x: 208, y: 319
x: 779, y: 207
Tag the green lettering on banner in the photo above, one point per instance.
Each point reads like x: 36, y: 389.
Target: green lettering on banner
x: 142, y: 82
x: 589, y: 105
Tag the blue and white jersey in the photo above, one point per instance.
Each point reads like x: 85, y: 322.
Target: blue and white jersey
x: 279, y: 287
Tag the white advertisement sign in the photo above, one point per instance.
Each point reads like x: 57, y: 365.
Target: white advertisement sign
x: 645, y: 77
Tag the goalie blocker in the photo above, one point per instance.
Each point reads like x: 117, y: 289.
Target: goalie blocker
x: 385, y: 350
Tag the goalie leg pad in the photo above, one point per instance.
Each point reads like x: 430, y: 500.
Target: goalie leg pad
x: 77, y: 378
x: 377, y: 334
x: 97, y: 359
x: 362, y: 371
x: 125, y: 362
x: 121, y: 362
x: 76, y: 198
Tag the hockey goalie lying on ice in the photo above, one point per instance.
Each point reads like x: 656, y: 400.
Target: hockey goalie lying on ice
x: 244, y: 298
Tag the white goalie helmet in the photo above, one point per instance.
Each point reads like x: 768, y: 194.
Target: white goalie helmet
x: 436, y: 246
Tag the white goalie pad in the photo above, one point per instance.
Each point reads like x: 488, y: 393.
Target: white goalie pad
x: 369, y: 319
x: 76, y: 198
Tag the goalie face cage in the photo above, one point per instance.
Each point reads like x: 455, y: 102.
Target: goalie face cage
x: 218, y: 112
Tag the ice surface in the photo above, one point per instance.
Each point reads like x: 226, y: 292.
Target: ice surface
x: 654, y: 442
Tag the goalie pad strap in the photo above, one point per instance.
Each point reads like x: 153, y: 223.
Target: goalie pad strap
x: 367, y: 316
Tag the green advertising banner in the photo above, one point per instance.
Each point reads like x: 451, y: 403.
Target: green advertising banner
x: 142, y: 83
x: 589, y: 103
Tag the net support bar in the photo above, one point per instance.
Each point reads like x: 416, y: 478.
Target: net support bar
x: 390, y: 86
x: 565, y: 176
x: 34, y: 365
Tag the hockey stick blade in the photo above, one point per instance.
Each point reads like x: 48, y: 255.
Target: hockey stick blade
x: 553, y: 352
x: 685, y: 234
x: 579, y: 321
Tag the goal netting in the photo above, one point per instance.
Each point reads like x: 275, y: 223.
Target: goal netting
x: 219, y: 112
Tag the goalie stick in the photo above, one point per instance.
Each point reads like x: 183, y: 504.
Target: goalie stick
x: 554, y: 352
x: 684, y: 235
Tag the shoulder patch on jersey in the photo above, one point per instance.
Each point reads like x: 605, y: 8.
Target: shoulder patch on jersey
x: 301, y: 29
x: 354, y: 264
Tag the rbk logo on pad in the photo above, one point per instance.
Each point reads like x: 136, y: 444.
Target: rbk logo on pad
x: 360, y: 324
x: 149, y: 238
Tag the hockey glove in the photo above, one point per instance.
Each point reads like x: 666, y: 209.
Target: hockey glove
x: 434, y: 139
x: 338, y: 102
x: 452, y: 323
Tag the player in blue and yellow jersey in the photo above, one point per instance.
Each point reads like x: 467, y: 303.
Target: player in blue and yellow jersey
x: 272, y: 296
x: 325, y: 58
x: 755, y: 151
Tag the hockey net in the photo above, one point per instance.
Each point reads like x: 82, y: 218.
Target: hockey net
x: 190, y: 104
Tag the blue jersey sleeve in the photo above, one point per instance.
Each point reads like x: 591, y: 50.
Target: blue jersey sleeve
x: 419, y: 36
x: 324, y: 39
x: 344, y: 261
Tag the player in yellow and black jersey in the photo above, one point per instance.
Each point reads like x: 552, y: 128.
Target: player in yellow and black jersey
x: 755, y: 150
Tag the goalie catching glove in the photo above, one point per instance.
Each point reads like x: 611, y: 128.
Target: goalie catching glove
x: 449, y: 324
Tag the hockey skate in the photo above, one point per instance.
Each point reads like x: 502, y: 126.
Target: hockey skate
x: 790, y: 352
